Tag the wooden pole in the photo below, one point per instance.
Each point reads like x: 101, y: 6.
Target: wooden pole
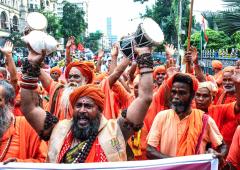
x: 188, y: 65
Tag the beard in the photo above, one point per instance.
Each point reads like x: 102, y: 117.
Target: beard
x: 180, y: 107
x: 5, y: 119
x: 83, y: 133
x: 232, y: 89
x: 68, y: 89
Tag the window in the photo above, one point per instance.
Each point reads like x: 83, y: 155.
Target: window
x: 3, y: 20
x: 15, y: 23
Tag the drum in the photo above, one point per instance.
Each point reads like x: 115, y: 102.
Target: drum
x: 148, y: 34
x: 36, y: 21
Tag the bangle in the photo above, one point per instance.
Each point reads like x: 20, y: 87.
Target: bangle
x: 145, y: 61
x: 29, y: 79
x: 146, y: 72
x: 29, y: 86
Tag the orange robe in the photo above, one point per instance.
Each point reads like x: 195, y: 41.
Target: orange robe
x: 234, y: 151
x: 25, y: 144
x: 218, y: 78
x: 225, y: 98
x: 226, y: 120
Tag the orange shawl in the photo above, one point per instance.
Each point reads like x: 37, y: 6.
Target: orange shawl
x: 188, y: 141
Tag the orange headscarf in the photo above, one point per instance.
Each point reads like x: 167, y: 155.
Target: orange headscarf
x: 88, y: 90
x: 195, y: 81
x: 56, y: 69
x: 159, y: 69
x: 90, y: 64
x: 217, y: 64
x: 83, y: 68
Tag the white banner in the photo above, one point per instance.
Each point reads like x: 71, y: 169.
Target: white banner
x: 195, y: 162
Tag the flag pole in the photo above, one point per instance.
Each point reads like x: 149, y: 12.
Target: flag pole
x: 188, y: 66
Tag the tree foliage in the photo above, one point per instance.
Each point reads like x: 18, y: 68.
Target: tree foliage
x: 54, y: 26
x: 15, y: 37
x: 165, y: 13
x: 216, y: 40
x: 73, y: 22
x: 92, y: 41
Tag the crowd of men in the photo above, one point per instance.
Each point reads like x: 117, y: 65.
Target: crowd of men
x: 132, y: 111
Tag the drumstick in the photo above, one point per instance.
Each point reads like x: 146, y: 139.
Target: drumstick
x: 188, y: 66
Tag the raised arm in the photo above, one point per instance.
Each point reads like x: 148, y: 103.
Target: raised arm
x: 138, y: 108
x: 99, y: 60
x: 114, y: 55
x: 41, y: 121
x: 118, y: 70
x: 236, y: 80
x: 11, y: 67
x: 68, y: 45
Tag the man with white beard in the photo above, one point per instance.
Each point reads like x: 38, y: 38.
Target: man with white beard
x: 17, y: 144
x: 228, y: 94
x: 76, y: 74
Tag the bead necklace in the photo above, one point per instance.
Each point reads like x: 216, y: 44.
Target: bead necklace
x: 83, y: 153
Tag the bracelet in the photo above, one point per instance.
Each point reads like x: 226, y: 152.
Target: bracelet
x: 28, y: 79
x: 30, y: 70
x: 146, y: 72
x: 145, y: 61
x: 29, y: 86
x: 49, y: 121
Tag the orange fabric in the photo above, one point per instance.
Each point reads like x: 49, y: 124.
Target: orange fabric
x: 189, y: 139
x: 99, y: 77
x: 226, y: 120
x: 83, y: 68
x: 25, y: 144
x: 56, y: 69
x: 88, y: 90
x: 226, y: 98
x: 218, y: 77
x: 234, y: 151
x: 167, y: 131
x: 159, y: 69
x: 90, y: 64
x: 217, y: 64
x: 109, y: 105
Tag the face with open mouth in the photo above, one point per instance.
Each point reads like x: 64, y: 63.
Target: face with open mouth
x: 86, y: 118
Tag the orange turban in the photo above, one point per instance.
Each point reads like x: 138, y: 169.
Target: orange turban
x: 83, y: 68
x: 229, y: 69
x: 90, y: 64
x: 88, y: 90
x: 159, y: 69
x: 195, y: 81
x: 217, y: 64
x: 56, y: 69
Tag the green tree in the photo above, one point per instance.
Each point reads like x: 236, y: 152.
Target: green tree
x: 72, y: 22
x: 15, y: 37
x: 236, y: 39
x: 165, y: 13
x: 92, y: 41
x: 216, y: 40
x: 54, y: 26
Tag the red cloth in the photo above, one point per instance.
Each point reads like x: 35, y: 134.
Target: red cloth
x: 83, y: 68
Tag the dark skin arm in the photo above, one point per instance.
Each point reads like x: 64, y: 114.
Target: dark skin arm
x: 143, y: 101
x: 153, y: 153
